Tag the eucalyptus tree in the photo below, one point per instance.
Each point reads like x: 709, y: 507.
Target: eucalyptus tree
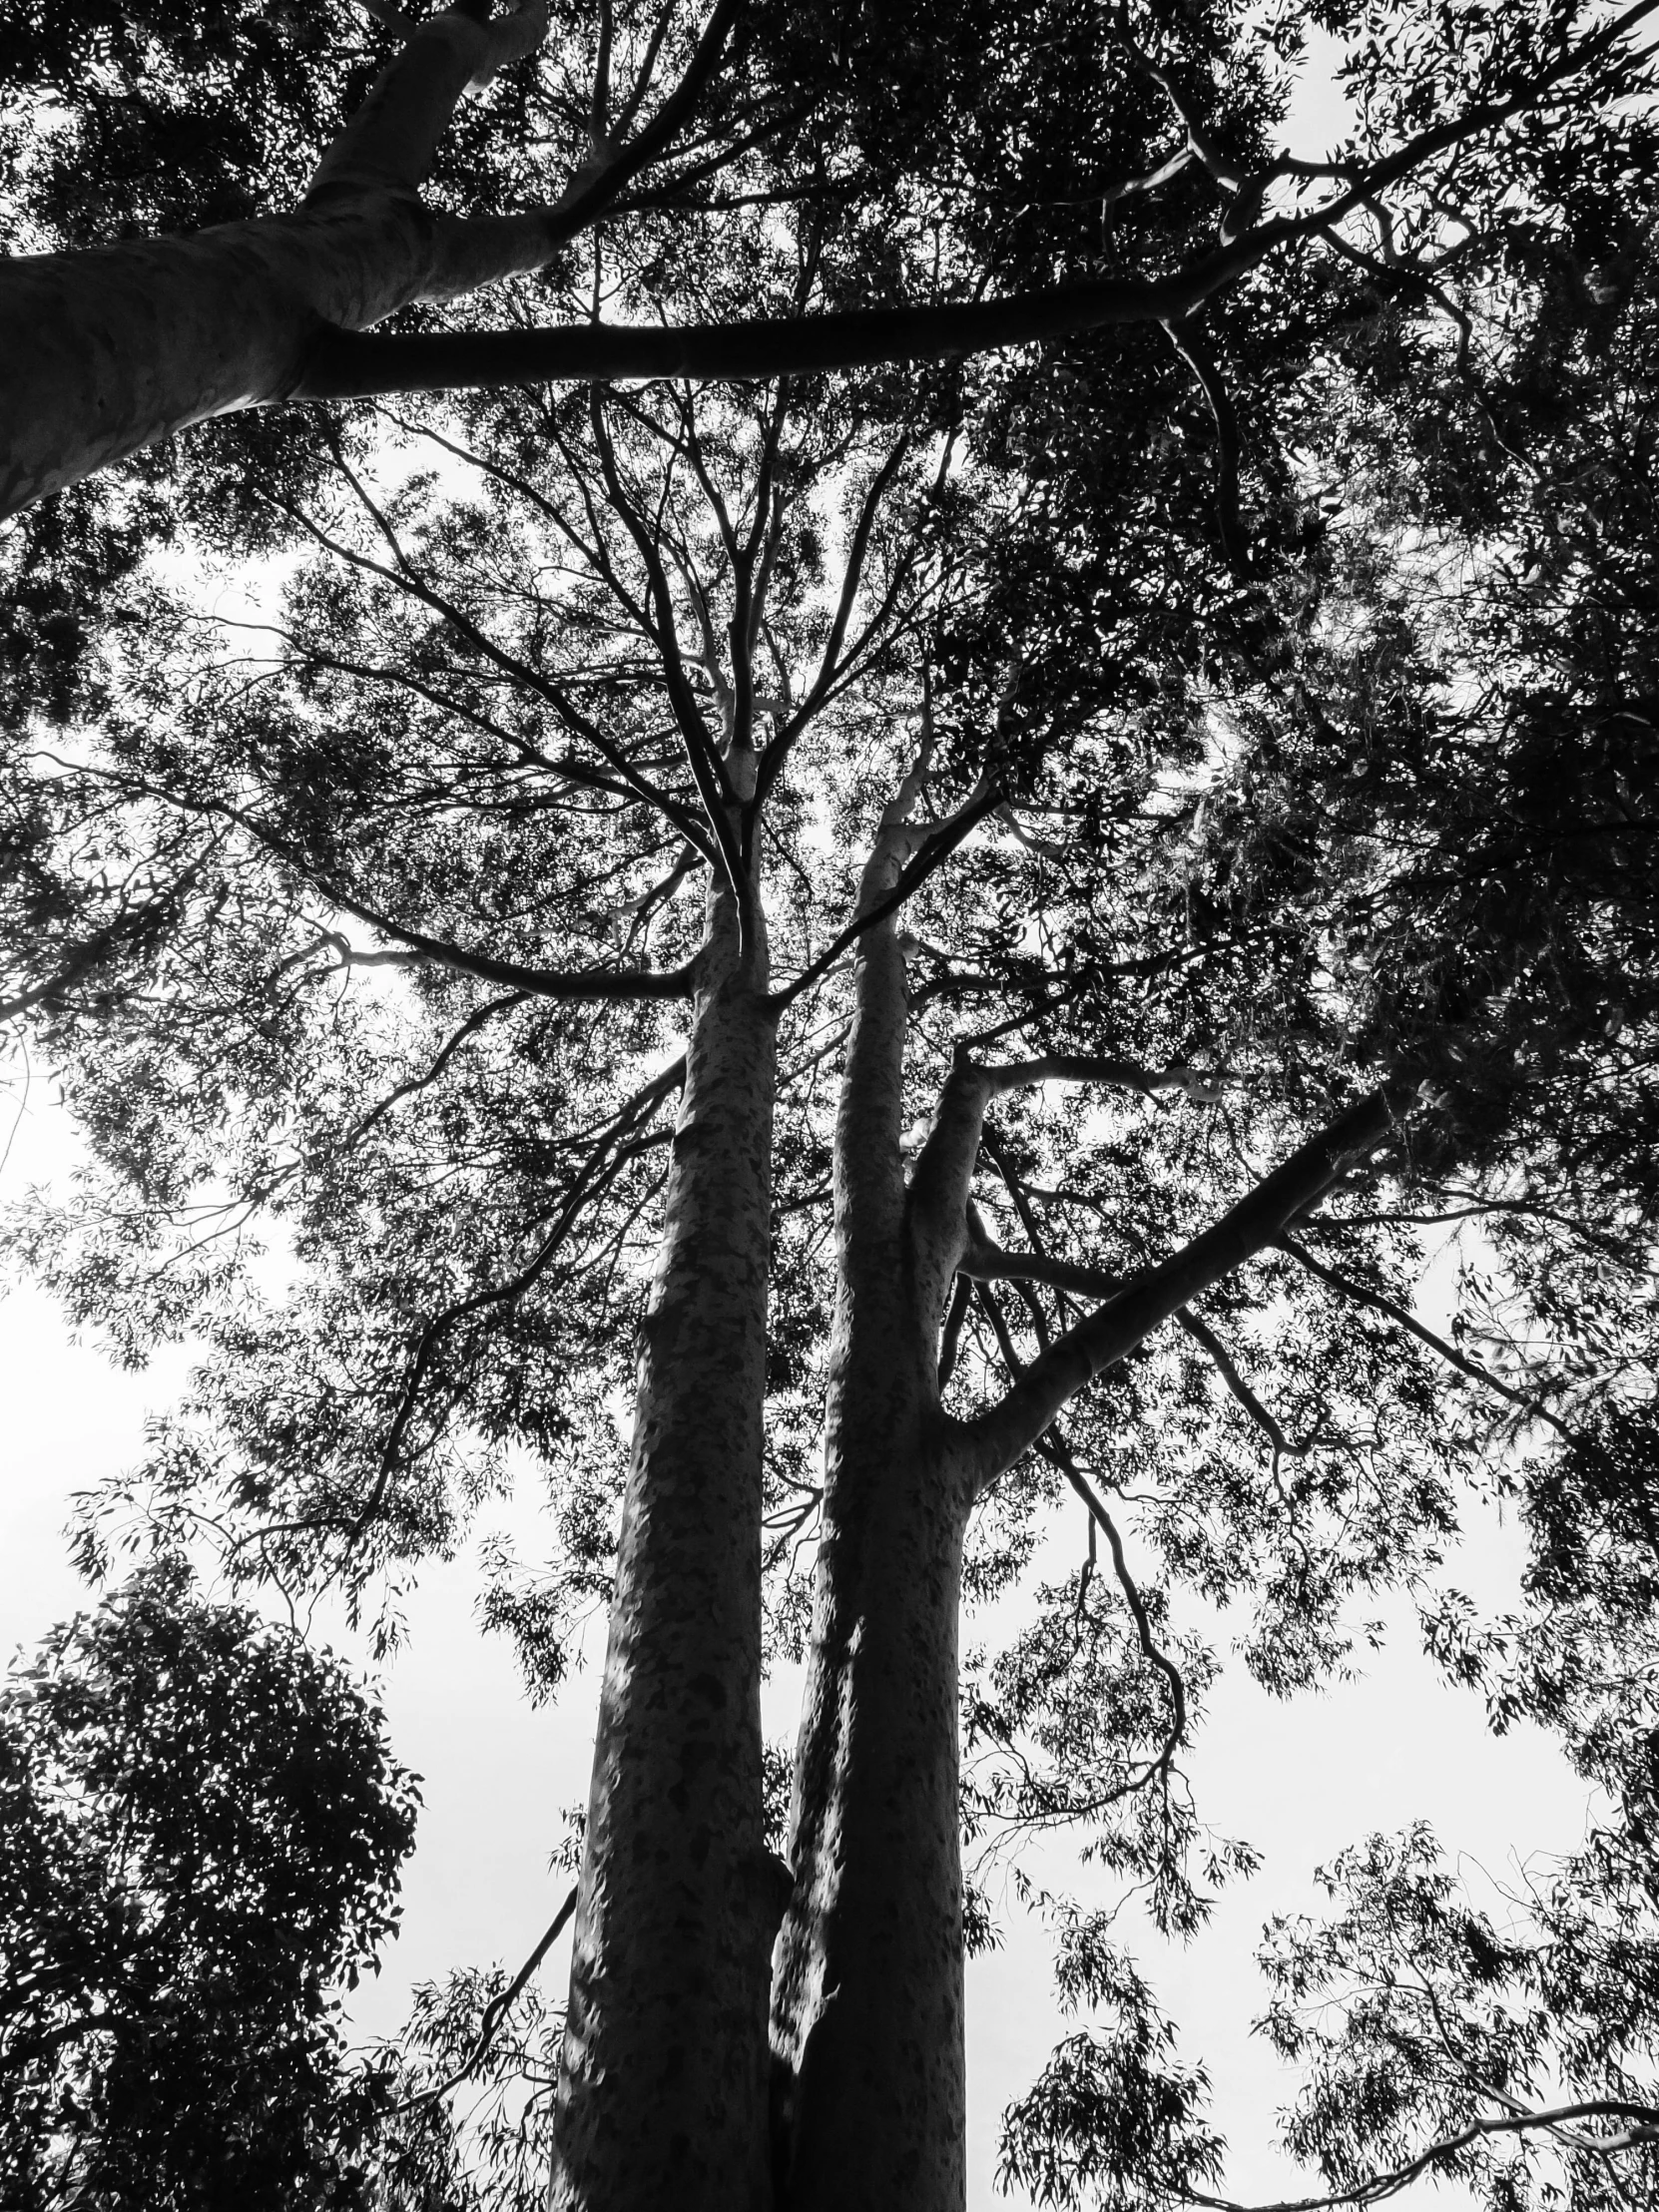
x: 754, y: 649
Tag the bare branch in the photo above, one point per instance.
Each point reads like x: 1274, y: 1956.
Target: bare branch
x: 494, y: 2013
x: 933, y: 853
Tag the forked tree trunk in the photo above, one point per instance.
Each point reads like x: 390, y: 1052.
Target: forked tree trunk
x: 868, y: 1995
x: 664, y: 2077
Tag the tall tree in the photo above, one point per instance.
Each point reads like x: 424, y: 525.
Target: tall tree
x: 1106, y: 812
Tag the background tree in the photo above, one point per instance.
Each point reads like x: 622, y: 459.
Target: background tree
x: 201, y: 1830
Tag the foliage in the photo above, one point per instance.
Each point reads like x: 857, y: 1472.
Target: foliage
x: 201, y: 1830
x: 1306, y: 656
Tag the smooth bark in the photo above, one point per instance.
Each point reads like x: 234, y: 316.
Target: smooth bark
x: 663, y: 2078
x: 868, y: 1993
x: 108, y: 350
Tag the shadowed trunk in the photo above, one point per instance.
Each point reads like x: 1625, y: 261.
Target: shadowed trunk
x: 663, y: 2089
x: 868, y: 1997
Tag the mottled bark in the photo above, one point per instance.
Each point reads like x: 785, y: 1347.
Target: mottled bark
x: 663, y: 2092
x: 867, y: 1993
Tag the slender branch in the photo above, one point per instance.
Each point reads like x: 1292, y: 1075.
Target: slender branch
x: 1057, y: 1451
x: 517, y: 671
x: 708, y: 770
x: 933, y: 851
x: 857, y: 548
x: 478, y: 1019
x: 557, y: 983
x: 592, y: 1178
x: 1362, y: 1296
x: 494, y: 2013
x: 589, y: 194
x: 1646, y: 2130
x: 1077, y: 1068
x: 985, y: 1262
x: 1201, y: 1334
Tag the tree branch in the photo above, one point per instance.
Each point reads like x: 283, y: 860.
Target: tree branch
x: 1388, y: 2184
x: 1112, y: 1330
x: 494, y: 2013
x: 933, y: 850
x: 1344, y: 1287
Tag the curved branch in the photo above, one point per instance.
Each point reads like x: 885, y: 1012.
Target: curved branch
x: 1644, y: 2132
x: 1186, y: 342
x: 494, y: 2013
x: 592, y: 1178
x: 1113, y: 1330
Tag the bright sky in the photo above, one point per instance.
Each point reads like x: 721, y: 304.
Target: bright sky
x: 1299, y: 1780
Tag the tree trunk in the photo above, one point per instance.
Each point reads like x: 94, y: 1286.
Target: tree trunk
x: 867, y: 1998
x: 108, y: 350
x: 868, y: 2003
x: 663, y: 2078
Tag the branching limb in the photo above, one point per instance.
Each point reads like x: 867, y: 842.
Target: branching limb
x: 580, y: 724
x: 598, y: 1171
x: 1115, y: 1329
x: 708, y: 770
x: 1057, y: 1451
x: 1643, y: 2131
x: 557, y: 983
x: 830, y: 661
x: 354, y: 365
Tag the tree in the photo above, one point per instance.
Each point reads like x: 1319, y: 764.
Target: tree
x: 201, y: 1836
x: 1098, y: 907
